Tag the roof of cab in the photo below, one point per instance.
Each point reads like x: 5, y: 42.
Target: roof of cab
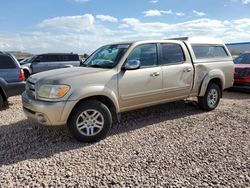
x: 199, y: 40
x: 191, y: 40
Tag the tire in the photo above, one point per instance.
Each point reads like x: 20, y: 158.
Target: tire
x: 1, y: 101
x: 26, y: 74
x: 90, y: 121
x: 211, y: 98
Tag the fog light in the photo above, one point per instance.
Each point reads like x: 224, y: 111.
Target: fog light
x: 41, y: 119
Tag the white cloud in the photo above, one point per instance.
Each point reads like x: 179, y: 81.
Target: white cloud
x: 156, y: 12
x: 197, y: 13
x: 180, y: 14
x: 106, y: 18
x: 234, y: 30
x: 246, y: 2
x: 77, y: 23
x: 122, y: 26
x: 154, y: 1
x: 84, y: 34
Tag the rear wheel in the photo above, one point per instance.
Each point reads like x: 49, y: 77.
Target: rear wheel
x: 90, y: 121
x: 26, y: 74
x: 211, y: 98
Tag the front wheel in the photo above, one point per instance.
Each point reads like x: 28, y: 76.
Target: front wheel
x: 90, y: 121
x: 211, y: 98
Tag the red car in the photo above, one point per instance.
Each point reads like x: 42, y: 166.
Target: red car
x: 242, y: 71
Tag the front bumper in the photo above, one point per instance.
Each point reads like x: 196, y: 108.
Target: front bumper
x: 47, y: 113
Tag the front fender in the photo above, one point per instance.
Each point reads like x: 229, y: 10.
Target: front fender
x: 91, y: 91
x: 211, y: 75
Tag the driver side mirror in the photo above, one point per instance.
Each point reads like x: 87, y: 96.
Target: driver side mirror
x: 132, y: 65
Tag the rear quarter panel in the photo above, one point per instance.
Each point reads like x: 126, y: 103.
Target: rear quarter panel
x: 208, y: 69
x: 10, y: 75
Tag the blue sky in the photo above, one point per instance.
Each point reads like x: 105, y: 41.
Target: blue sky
x: 83, y: 25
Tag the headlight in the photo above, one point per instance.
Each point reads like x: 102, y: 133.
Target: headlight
x: 53, y: 91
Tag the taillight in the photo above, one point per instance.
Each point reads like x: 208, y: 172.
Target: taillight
x: 21, y: 76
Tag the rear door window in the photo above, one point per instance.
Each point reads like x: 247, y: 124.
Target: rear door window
x: 7, y: 62
x: 68, y: 57
x: 46, y: 58
x: 53, y: 58
x: 171, y: 54
x: 73, y: 58
x: 209, y: 51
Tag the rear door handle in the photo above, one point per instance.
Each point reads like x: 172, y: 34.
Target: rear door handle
x: 155, y: 74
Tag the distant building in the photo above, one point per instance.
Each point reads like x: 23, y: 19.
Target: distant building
x: 238, y: 48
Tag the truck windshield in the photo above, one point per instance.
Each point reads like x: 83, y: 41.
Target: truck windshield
x: 106, y: 56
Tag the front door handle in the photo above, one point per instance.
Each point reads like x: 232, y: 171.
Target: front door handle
x: 187, y: 70
x: 155, y: 74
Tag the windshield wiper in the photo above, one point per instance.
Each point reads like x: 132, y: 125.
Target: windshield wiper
x: 99, y: 66
x: 95, y: 66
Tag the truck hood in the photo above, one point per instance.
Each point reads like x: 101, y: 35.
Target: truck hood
x: 66, y: 75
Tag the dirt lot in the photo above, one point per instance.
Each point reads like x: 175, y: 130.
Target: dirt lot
x: 171, y: 145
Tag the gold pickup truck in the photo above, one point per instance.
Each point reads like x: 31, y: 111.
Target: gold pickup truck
x: 126, y: 76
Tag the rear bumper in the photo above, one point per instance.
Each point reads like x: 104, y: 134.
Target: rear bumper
x: 47, y: 113
x: 15, y: 88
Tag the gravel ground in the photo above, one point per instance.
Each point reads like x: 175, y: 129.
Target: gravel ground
x: 171, y: 145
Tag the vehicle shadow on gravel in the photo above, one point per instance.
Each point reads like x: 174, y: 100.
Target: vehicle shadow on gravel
x: 236, y: 94
x: 5, y: 107
x: 28, y: 140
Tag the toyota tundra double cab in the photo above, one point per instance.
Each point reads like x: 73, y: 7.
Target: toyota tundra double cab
x: 125, y: 76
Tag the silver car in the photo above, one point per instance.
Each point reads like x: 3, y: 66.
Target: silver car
x: 45, y: 62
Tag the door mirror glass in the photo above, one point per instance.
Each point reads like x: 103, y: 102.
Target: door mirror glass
x: 132, y: 65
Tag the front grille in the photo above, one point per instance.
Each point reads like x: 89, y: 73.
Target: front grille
x: 242, y: 72
x: 30, y: 89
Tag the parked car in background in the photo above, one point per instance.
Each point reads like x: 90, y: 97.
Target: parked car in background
x: 20, y: 59
x: 11, y: 77
x: 242, y: 72
x: 49, y: 61
x: 122, y: 77
x: 24, y: 61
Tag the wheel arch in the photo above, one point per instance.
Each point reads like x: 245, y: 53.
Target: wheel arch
x: 3, y: 86
x: 26, y: 69
x: 3, y: 94
x: 215, y: 76
x: 101, y: 98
